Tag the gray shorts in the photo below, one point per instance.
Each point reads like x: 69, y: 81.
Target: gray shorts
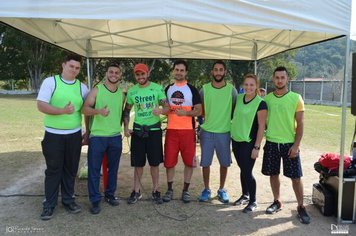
x: 215, y: 141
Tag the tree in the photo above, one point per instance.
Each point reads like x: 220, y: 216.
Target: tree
x: 266, y: 66
x: 321, y: 60
x: 24, y: 57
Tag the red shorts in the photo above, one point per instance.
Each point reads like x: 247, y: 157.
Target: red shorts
x: 179, y: 140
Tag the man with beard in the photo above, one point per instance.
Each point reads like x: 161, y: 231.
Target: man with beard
x: 283, y: 136
x: 104, y: 104
x: 184, y: 105
x: 218, y: 98
x: 146, y: 136
x: 60, y: 98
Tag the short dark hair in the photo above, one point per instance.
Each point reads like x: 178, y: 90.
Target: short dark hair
x: 281, y: 68
x: 179, y: 62
x: 220, y: 62
x: 74, y: 57
x: 113, y: 64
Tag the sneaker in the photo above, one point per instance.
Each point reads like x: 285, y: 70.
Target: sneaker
x: 134, y: 197
x: 168, y: 196
x: 186, y: 197
x: 95, y: 208
x: 112, y: 200
x: 243, y: 200
x: 222, y: 196
x: 73, y: 207
x: 252, y: 206
x: 303, y: 215
x: 156, y: 197
x: 205, y: 195
x: 47, y: 213
x: 274, y: 207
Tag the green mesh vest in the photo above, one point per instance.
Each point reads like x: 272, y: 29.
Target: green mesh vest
x: 217, y: 108
x: 280, y: 119
x: 64, y: 93
x: 111, y: 124
x: 244, y: 116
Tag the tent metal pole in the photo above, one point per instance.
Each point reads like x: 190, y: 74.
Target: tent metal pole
x: 255, y: 51
x: 88, y: 73
x: 343, y: 127
x: 255, y: 69
x: 89, y: 49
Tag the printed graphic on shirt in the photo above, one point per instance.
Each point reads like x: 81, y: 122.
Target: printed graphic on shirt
x: 181, y: 97
x: 144, y: 101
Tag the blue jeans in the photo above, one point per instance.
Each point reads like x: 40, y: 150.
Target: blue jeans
x: 112, y: 146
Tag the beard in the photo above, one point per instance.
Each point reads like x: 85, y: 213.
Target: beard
x: 219, y: 79
x: 280, y: 87
x: 143, y: 82
x: 113, y: 82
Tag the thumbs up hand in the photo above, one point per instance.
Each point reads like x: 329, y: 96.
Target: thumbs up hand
x: 69, y: 108
x: 104, y: 111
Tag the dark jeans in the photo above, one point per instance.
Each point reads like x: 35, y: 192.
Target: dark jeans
x: 112, y: 146
x: 242, y: 152
x: 62, y: 154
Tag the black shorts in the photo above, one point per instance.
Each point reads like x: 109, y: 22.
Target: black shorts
x: 150, y: 146
x: 271, y: 165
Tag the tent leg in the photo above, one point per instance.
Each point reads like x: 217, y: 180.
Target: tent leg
x: 89, y: 74
x: 343, y: 127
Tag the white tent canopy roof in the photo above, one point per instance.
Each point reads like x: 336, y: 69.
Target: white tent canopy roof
x: 238, y: 30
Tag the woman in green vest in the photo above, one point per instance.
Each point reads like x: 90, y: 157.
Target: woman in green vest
x: 247, y: 129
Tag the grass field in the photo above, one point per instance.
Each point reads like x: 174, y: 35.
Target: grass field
x: 322, y: 130
x: 21, y: 125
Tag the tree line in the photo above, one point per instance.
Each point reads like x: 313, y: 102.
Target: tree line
x: 25, y: 61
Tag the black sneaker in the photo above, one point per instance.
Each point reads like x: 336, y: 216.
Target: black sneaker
x: 252, y: 206
x: 47, y: 213
x: 73, y: 207
x: 134, y: 197
x: 274, y: 207
x: 95, y: 208
x: 112, y: 200
x: 243, y: 200
x: 156, y: 197
x: 186, y: 197
x: 168, y: 196
x: 303, y: 215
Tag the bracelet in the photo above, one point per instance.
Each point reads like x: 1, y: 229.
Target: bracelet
x: 256, y: 147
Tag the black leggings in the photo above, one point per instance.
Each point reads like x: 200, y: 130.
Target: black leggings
x: 242, y: 152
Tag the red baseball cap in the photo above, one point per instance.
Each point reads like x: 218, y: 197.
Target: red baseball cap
x: 141, y: 67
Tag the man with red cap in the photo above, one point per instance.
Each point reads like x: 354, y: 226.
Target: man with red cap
x: 146, y: 135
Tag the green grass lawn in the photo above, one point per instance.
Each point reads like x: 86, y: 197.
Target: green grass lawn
x: 322, y: 128
x: 21, y: 125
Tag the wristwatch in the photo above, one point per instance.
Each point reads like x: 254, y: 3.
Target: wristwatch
x: 256, y: 147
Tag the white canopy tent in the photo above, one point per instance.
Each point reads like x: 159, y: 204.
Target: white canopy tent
x: 236, y: 30
x: 224, y: 29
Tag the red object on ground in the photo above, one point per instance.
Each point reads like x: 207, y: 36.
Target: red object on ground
x: 104, y: 167
x: 331, y: 161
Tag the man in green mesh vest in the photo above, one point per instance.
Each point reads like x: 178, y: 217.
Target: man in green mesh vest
x: 283, y: 136
x: 218, y: 98
x: 104, y: 103
x: 60, y: 98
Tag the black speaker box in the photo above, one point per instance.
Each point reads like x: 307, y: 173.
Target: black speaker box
x: 348, y: 205
x: 323, y: 199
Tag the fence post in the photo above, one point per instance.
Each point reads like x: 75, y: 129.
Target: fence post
x: 322, y: 90
x: 303, y: 88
